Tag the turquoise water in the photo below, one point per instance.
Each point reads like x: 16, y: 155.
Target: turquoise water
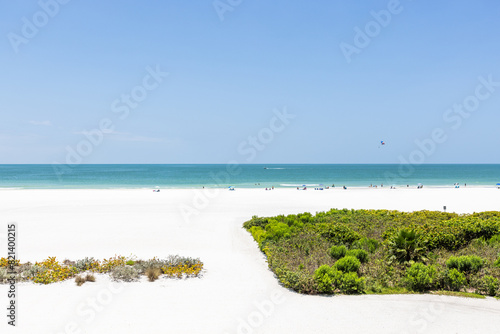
x: 242, y: 176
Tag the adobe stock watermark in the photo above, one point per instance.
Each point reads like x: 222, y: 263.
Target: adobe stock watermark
x: 419, y: 321
x: 88, y: 310
x: 453, y: 118
x: 364, y: 36
x: 12, y: 245
x: 221, y: 7
x: 262, y: 310
x: 32, y: 26
x: 122, y: 108
x: 248, y: 149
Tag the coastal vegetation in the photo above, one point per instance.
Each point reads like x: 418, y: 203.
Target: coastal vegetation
x: 119, y: 268
x: 382, y: 251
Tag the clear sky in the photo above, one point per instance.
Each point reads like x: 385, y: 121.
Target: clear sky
x: 350, y: 78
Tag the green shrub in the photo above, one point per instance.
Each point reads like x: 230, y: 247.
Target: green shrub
x: 374, y: 286
x: 455, y: 280
x: 258, y: 234
x: 459, y: 231
x: 369, y: 245
x: 325, y: 278
x: 497, y: 262
x: 494, y: 241
x: 348, y: 264
x: 479, y: 242
x: 406, y: 246
x: 276, y: 231
x: 352, y: 284
x: 420, y: 277
x: 489, y: 285
x: 124, y: 273
x: 360, y: 254
x: 299, y: 281
x: 465, y: 263
x: 130, y: 262
x: 338, y: 252
x: 337, y: 233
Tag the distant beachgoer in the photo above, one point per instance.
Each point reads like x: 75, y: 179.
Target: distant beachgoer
x: 465, y: 184
x: 333, y: 185
x: 382, y: 185
x: 345, y: 187
x: 407, y: 186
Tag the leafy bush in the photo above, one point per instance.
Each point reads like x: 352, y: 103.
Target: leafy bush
x: 108, y: 265
x: 338, y: 252
x: 420, y: 277
x: 352, y: 284
x: 406, y: 246
x: 360, y: 254
x: 495, y: 241
x: 52, y: 271
x: 130, y: 262
x: 297, y: 280
x: 337, y: 233
x: 5, y: 262
x: 455, y: 280
x: 497, y: 262
x: 369, y: 245
x: 258, y: 234
x: 466, y: 263
x: 348, y: 264
x: 276, y: 231
x: 489, y: 285
x: 324, y: 277
x: 87, y: 264
x: 458, y: 232
x: 32, y: 270
x: 179, y: 270
x: 124, y: 273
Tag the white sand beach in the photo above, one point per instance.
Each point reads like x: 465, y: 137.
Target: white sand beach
x: 237, y: 293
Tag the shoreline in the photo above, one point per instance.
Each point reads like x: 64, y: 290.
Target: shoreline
x: 309, y: 187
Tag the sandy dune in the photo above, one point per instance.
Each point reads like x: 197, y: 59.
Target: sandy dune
x: 237, y: 293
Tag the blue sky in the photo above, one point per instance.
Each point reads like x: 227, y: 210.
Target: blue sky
x: 227, y: 79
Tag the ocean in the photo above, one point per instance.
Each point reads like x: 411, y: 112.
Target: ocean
x: 243, y: 176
